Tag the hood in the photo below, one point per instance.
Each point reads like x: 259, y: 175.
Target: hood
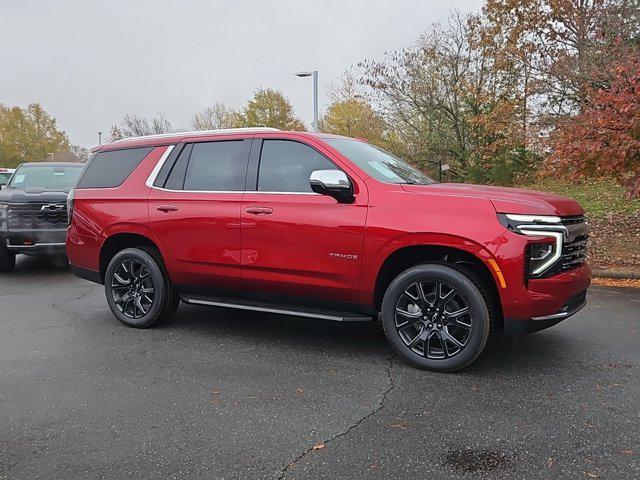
x: 507, y: 200
x: 10, y: 195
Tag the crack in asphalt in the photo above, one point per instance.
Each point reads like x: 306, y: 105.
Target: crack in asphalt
x: 75, y: 314
x: 379, y: 406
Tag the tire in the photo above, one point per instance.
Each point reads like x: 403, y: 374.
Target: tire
x: 7, y: 260
x: 421, y: 328
x: 138, y: 289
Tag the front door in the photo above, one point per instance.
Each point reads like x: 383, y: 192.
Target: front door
x: 296, y: 244
x: 195, y: 216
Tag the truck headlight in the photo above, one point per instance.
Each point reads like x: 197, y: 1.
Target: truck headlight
x: 540, y: 257
x: 3, y: 217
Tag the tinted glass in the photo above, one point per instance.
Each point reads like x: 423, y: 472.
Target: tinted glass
x: 110, y: 169
x: 379, y: 164
x: 52, y: 178
x: 286, y: 166
x: 175, y: 181
x: 217, y: 166
x: 4, y: 177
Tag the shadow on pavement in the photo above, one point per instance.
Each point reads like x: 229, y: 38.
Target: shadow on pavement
x: 544, y: 351
x: 30, y: 264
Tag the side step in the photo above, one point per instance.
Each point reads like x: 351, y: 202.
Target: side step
x: 293, y: 310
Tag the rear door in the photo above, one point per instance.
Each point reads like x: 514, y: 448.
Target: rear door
x: 299, y: 246
x: 194, y: 210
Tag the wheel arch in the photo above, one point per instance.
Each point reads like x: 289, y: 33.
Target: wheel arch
x: 118, y: 242
x: 409, y: 256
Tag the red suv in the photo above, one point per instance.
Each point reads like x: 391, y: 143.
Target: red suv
x: 328, y: 227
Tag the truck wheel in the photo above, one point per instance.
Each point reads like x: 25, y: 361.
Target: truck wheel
x: 138, y: 289
x: 436, y: 317
x: 7, y: 260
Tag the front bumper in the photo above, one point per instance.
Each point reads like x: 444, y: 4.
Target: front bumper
x: 513, y: 327
x: 36, y: 242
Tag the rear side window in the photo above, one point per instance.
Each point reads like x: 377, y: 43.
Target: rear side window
x: 110, y: 169
x: 217, y: 166
x: 286, y: 166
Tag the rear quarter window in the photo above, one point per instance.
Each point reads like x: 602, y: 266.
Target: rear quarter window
x: 110, y: 169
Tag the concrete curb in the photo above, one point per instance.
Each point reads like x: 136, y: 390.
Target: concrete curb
x: 617, y: 274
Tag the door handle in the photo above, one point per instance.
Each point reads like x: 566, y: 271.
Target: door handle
x: 167, y: 208
x: 259, y: 210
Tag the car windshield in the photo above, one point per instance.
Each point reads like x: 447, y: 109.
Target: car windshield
x: 379, y: 164
x: 46, y: 177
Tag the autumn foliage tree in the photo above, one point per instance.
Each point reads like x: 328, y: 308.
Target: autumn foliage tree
x: 604, y: 139
x: 351, y: 114
x: 28, y: 135
x: 270, y: 108
x: 448, y: 99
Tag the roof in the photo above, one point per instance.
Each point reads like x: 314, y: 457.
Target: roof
x: 172, y: 138
x: 197, y: 133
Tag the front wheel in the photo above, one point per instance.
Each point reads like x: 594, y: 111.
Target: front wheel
x: 138, y: 289
x: 436, y: 317
x: 7, y: 259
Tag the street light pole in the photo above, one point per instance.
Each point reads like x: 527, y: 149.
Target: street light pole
x: 314, y: 75
x: 99, y: 138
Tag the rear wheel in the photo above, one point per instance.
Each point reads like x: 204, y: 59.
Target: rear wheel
x: 138, y: 289
x: 436, y: 317
x: 7, y: 259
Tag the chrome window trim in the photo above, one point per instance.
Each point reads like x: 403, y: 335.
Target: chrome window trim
x: 163, y: 159
x: 231, y: 191
x: 156, y: 170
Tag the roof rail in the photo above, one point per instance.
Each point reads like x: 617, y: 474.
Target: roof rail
x: 202, y: 132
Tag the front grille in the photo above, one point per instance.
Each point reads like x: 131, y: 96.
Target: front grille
x: 37, y: 216
x: 574, y: 250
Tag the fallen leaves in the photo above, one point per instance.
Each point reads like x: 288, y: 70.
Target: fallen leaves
x: 401, y: 425
x: 318, y: 446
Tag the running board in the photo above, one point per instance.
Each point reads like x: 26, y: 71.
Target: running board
x: 289, y: 310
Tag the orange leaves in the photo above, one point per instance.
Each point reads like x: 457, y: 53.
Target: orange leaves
x: 604, y: 140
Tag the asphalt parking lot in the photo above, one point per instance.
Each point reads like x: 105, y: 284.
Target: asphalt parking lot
x: 228, y: 394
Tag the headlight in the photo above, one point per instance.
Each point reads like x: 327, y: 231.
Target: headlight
x: 70, y: 197
x: 3, y: 217
x: 540, y: 256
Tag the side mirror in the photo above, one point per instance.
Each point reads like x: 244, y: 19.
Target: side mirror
x: 333, y: 183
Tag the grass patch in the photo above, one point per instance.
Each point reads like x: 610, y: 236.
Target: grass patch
x: 598, y: 197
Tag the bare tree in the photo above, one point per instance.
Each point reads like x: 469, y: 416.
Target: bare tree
x: 216, y: 117
x: 136, y: 126
x: 81, y: 153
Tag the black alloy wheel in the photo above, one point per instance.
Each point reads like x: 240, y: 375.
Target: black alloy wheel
x: 138, y: 289
x: 433, y: 319
x: 132, y: 288
x: 436, y: 316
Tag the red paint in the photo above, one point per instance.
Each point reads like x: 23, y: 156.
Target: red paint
x: 292, y: 244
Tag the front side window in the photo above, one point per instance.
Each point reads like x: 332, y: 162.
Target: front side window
x: 51, y: 178
x: 217, y: 166
x: 4, y: 177
x: 379, y: 164
x: 285, y: 166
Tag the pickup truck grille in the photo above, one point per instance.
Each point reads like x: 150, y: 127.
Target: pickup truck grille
x: 574, y: 250
x: 37, y: 216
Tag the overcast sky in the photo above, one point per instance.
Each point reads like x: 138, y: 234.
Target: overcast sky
x: 90, y: 62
